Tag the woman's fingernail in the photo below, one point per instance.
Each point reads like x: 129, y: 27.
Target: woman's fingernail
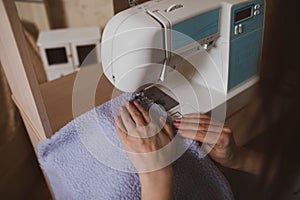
x: 176, y: 124
x: 163, y: 119
x: 188, y: 115
x: 127, y: 103
x: 136, y: 103
x: 121, y: 108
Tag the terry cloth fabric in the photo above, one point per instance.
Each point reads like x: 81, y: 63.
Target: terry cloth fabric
x: 85, y: 160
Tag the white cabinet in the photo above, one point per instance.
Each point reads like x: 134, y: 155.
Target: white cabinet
x: 64, y: 51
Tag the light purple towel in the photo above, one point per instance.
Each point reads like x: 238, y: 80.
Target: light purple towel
x: 85, y: 160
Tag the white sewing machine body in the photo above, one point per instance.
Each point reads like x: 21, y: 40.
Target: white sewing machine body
x: 199, y: 52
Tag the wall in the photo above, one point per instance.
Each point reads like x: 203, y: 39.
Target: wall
x: 34, y: 14
x: 81, y: 13
x: 65, y: 13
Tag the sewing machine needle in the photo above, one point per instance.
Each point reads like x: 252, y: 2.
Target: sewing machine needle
x: 163, y: 71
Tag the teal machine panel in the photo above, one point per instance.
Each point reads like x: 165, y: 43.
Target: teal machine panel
x: 196, y: 28
x: 246, y: 35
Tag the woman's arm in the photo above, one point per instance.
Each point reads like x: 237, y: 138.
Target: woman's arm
x: 142, y: 139
x: 157, y: 184
x: 247, y: 160
x: 219, y: 142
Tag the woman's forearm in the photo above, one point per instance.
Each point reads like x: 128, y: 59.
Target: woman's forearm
x: 248, y: 161
x: 157, y: 184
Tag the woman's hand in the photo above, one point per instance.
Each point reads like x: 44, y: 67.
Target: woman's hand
x: 142, y: 138
x: 148, y: 147
x: 219, y: 143
x: 218, y: 139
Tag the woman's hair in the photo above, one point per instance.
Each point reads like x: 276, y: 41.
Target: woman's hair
x: 280, y: 89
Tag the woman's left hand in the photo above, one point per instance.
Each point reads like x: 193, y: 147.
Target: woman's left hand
x: 218, y: 138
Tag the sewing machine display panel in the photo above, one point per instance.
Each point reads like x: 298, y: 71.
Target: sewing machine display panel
x: 243, y: 14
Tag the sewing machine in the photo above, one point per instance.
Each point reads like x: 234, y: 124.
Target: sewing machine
x: 187, y: 55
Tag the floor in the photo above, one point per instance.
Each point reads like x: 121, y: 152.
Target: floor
x: 20, y: 175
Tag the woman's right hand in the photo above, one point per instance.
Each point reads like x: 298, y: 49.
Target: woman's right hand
x: 148, y: 147
x: 218, y: 139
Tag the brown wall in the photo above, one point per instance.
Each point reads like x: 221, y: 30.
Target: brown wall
x: 120, y: 5
x: 66, y: 13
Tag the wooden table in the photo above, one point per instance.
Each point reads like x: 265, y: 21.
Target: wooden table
x: 58, y: 96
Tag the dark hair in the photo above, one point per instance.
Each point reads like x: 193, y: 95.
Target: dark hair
x: 280, y: 89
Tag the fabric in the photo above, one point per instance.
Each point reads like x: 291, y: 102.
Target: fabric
x: 85, y: 160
